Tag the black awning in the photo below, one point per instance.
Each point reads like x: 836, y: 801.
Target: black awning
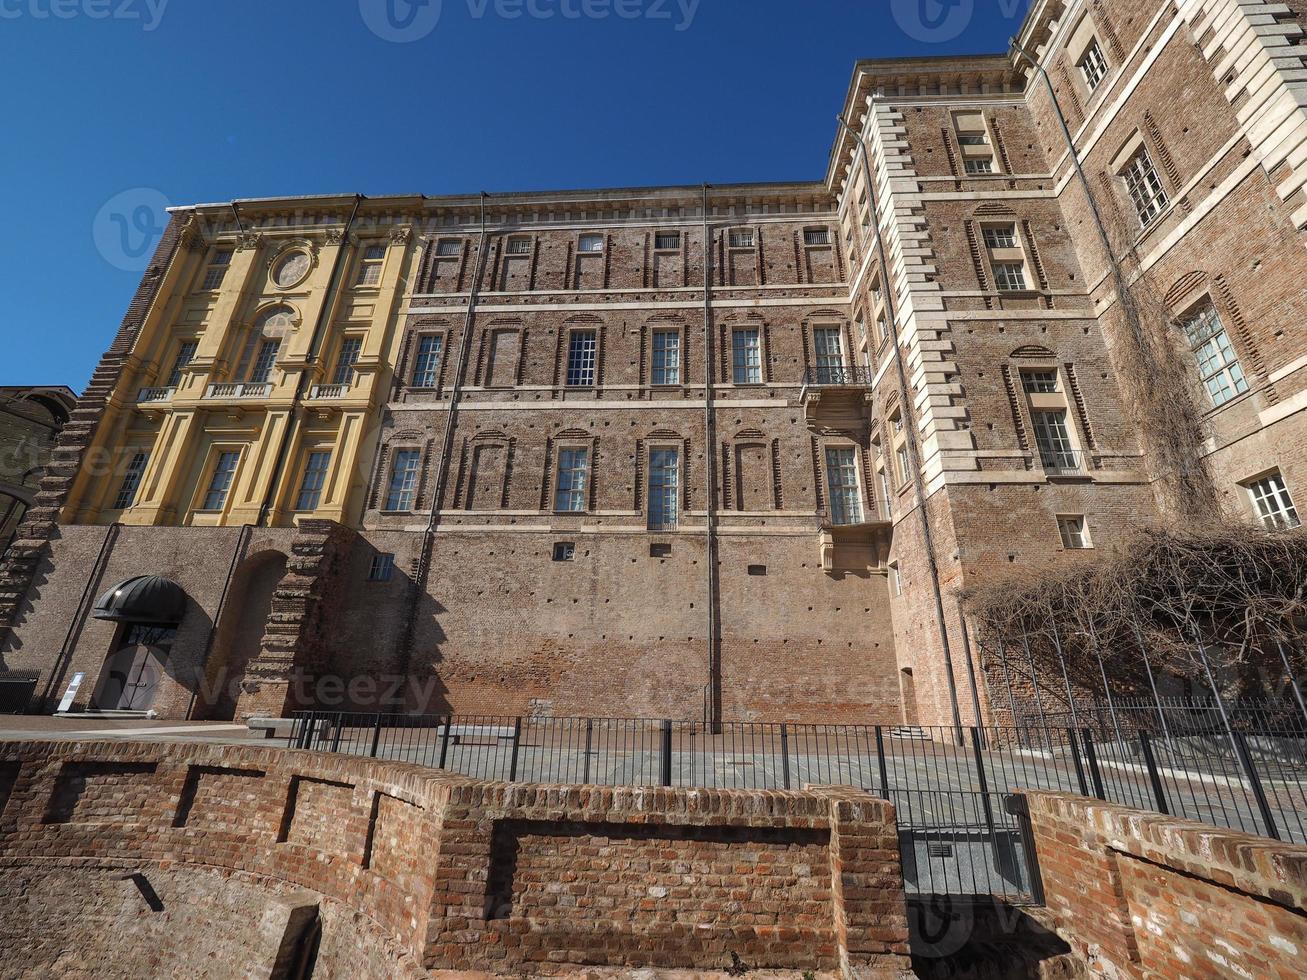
x: 144, y: 599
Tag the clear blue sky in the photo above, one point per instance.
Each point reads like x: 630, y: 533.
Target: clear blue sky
x: 209, y: 100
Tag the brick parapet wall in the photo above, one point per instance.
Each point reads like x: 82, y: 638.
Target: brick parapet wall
x: 427, y: 871
x: 1141, y: 895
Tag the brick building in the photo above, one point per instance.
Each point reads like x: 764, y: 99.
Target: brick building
x: 707, y: 451
x: 30, y: 420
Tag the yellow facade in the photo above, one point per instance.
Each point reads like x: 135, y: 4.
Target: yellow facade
x: 268, y: 345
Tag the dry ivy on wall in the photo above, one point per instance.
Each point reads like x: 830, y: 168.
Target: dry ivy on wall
x: 1157, y: 382
x: 1240, y: 591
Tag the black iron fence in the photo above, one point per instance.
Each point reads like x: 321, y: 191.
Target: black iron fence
x: 957, y: 792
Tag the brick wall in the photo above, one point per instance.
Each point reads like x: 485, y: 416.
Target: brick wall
x: 1141, y: 895
x: 130, y: 849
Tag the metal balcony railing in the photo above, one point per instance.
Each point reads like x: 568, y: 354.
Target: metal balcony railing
x: 1062, y: 461
x: 248, y: 389
x: 155, y: 395
x: 836, y: 376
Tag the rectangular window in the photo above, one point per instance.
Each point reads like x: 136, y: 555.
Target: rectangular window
x: 743, y: 238
x: 979, y: 165
x: 1093, y: 66
x: 519, y: 246
x: 592, y: 243
x: 220, y: 483
x: 665, y: 241
x: 263, y: 364
x: 185, y: 354
x: 904, y: 463
x: 402, y: 492
x: 746, y: 356
x: 131, y: 482
x: 666, y: 357
x: 449, y: 247
x: 383, y: 566
x: 895, y: 580
x: 1218, y: 365
x: 581, y: 349
x: 1272, y: 503
x: 829, y: 349
x: 1056, y: 450
x: 816, y: 236
x: 1039, y: 382
x: 573, y: 480
x: 345, y: 361
x: 973, y: 139
x: 315, y: 476
x: 882, y: 479
x: 664, y: 488
x: 1003, y: 236
x: 374, y: 257
x: 1145, y: 187
x: 565, y: 551
x: 426, y: 370
x: 217, y: 269
x: 1074, y: 531
x: 1010, y: 276
x: 842, y: 481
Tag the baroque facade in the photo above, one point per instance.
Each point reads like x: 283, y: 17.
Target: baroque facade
x: 723, y: 452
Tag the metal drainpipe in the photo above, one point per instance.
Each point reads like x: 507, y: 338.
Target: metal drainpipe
x: 1117, y: 274
x: 324, y: 314
x: 447, y: 445
x: 909, y: 427
x: 710, y: 458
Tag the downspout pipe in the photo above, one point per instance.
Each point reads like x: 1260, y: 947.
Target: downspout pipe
x: 324, y: 315
x: 1019, y: 52
x: 419, y: 581
x: 909, y: 427
x: 710, y: 459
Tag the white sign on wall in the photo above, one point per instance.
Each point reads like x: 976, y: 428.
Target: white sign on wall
x: 71, y: 693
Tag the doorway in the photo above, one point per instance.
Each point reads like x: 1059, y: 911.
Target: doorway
x: 131, y: 675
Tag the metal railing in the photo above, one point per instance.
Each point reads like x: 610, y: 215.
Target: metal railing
x: 836, y: 375
x: 957, y: 792
x: 1062, y: 461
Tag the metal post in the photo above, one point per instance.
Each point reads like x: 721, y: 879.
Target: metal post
x: 971, y: 667
x: 1034, y: 681
x: 984, y: 785
x: 1259, y: 794
x: 1095, y: 773
x: 1152, y: 683
x: 376, y: 735
x: 667, y: 753
x: 1007, y: 680
x: 340, y: 728
x: 1237, y: 742
x: 884, y: 769
x: 1107, y: 690
x: 785, y: 754
x: 517, y: 741
x: 1293, y: 681
x: 1154, y: 777
x: 306, y: 735
x: 1066, y: 675
x: 444, y: 740
x: 1075, y: 757
x: 589, y: 738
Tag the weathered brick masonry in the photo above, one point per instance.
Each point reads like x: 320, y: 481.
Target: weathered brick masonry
x: 724, y: 452
x: 134, y: 860
x: 1143, y: 895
